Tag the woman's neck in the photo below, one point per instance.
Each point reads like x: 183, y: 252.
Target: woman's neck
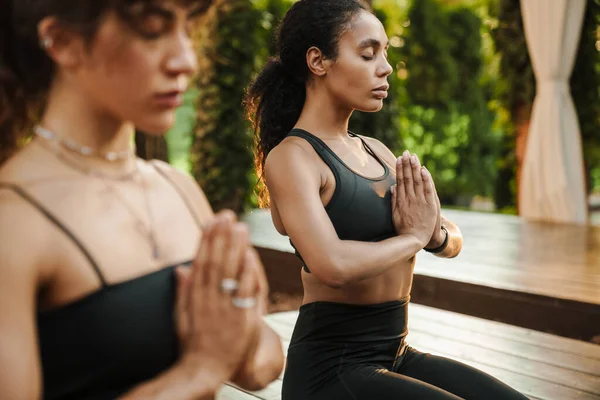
x: 323, y: 117
x: 71, y: 116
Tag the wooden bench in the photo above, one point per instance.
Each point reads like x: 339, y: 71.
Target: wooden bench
x: 540, y: 365
x: 534, y: 275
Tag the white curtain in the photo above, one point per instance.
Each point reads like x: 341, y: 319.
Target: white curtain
x: 552, y: 180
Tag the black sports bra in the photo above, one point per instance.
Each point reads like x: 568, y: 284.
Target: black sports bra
x: 360, y: 208
x: 102, y: 345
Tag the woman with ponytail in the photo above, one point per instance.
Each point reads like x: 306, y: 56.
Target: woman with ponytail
x: 116, y: 280
x: 356, y: 214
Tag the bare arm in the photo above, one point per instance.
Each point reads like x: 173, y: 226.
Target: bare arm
x: 265, y: 363
x: 20, y: 371
x: 26, y: 260
x: 455, y: 238
x: 294, y: 184
x: 265, y: 359
x: 179, y: 382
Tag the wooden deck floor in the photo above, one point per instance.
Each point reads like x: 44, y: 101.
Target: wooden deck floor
x: 534, y: 275
x: 540, y: 365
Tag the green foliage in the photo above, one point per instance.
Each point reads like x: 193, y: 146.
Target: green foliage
x: 221, y: 153
x: 179, y: 138
x: 445, y: 116
x: 433, y: 75
x: 585, y: 84
x: 460, y: 87
x: 515, y: 90
x: 517, y: 86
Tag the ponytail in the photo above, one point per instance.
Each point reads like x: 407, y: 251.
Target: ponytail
x: 276, y: 98
x: 273, y: 102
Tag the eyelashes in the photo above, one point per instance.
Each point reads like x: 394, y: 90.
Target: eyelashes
x: 371, y: 58
x: 152, y: 22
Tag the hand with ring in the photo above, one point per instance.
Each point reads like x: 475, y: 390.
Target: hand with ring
x: 216, y: 308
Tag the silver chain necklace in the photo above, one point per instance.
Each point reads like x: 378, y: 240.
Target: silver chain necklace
x: 147, y: 231
x: 82, y: 150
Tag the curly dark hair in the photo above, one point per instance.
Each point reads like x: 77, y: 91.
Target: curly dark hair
x: 25, y: 69
x: 276, y: 97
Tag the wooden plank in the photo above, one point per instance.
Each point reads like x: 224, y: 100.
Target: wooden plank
x: 231, y: 392
x: 536, y: 279
x: 506, y: 360
x: 506, y: 331
x: 228, y: 392
x: 555, y: 260
x: 557, y: 316
x: 533, y: 275
x: 537, y: 374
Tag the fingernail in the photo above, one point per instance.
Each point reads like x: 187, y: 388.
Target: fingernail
x: 406, y: 153
x: 413, y: 158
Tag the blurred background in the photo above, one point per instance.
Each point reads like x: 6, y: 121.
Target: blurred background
x: 461, y: 97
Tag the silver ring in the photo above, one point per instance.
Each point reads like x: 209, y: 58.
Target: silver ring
x: 229, y: 285
x: 244, y: 302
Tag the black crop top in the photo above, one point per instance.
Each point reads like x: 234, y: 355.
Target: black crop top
x: 101, y: 346
x: 360, y: 208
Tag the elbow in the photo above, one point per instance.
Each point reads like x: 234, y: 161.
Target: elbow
x: 264, y: 373
x: 331, y: 272
x: 271, y: 372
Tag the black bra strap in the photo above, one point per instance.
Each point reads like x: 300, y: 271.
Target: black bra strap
x: 322, y: 150
x: 370, y: 150
x: 27, y: 197
x: 180, y: 192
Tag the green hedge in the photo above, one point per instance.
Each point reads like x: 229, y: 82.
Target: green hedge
x: 462, y: 76
x: 444, y: 115
x: 221, y: 153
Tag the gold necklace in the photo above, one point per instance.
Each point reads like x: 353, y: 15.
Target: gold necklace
x: 148, y: 231
x: 82, y: 150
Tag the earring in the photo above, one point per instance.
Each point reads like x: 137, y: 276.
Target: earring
x: 46, y: 43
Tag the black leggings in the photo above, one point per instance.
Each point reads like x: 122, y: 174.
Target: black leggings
x: 321, y: 368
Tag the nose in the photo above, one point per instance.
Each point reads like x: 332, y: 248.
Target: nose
x: 181, y: 58
x: 386, y: 69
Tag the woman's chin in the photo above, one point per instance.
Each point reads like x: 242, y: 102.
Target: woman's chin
x: 156, y: 126
x: 371, y: 106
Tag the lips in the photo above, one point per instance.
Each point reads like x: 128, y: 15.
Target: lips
x: 381, y: 92
x: 383, y: 88
x: 171, y: 99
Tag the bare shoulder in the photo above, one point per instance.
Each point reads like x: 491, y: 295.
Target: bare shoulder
x: 187, y: 184
x: 25, y: 239
x: 293, y: 156
x: 25, y: 254
x: 26, y: 235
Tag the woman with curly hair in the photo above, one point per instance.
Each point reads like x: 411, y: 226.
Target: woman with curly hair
x: 356, y: 215
x: 115, y: 278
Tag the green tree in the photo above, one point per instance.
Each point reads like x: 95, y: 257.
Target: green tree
x: 444, y: 115
x: 585, y: 84
x: 515, y: 91
x: 221, y: 153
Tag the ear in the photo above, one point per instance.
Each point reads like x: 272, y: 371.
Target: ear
x: 317, y: 64
x: 64, y: 46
